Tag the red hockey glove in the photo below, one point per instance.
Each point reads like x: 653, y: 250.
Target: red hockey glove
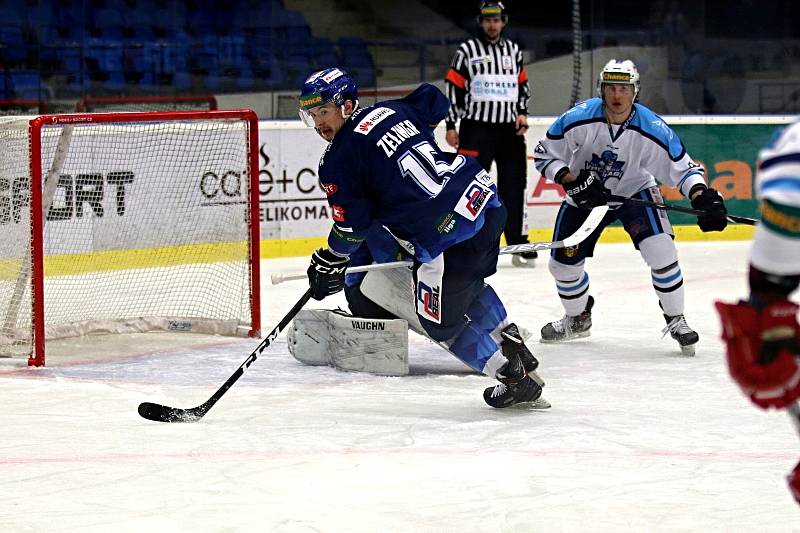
x: 763, y: 351
x: 793, y: 479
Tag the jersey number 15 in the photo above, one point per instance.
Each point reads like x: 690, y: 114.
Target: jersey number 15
x: 421, y: 165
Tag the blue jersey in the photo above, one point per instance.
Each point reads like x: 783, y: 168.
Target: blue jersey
x: 383, y: 168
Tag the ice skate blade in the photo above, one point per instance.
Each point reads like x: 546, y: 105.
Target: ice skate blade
x: 522, y: 263
x: 574, y: 336
x: 538, y: 404
x: 688, y: 350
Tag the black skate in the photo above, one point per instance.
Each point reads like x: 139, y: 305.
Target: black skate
x: 513, y: 345
x: 515, y: 386
x: 681, y: 332
x: 525, y: 259
x: 569, y: 327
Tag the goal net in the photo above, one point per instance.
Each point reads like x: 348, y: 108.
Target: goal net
x: 22, y: 107
x: 127, y: 222
x: 103, y: 104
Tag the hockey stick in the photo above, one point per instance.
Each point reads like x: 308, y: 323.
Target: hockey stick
x: 680, y: 209
x: 588, y: 226
x: 280, y: 278
x: 162, y: 413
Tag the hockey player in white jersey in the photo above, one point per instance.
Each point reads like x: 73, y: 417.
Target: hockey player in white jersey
x: 762, y: 334
x: 612, y: 144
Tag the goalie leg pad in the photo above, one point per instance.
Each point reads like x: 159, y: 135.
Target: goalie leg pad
x: 309, y: 337
x: 393, y: 290
x: 376, y: 346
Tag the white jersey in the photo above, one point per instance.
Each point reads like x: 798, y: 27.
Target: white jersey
x: 629, y: 157
x: 776, y: 249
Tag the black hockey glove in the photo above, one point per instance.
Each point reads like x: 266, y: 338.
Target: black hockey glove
x: 326, y: 273
x: 711, y: 202
x: 587, y: 190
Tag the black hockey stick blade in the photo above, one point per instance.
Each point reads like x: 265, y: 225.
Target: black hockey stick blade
x: 162, y: 413
x: 679, y: 208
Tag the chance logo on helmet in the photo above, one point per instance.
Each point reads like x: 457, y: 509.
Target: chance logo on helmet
x: 619, y: 71
x: 329, y: 85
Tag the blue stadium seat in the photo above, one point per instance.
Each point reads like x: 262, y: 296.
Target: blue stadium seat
x: 13, y: 46
x: 104, y: 57
x: 6, y: 91
x: 27, y: 85
x: 355, y: 53
x: 107, y: 19
x: 232, y: 52
x: 324, y: 53
x: 246, y: 81
x: 205, y: 55
x: 365, y: 77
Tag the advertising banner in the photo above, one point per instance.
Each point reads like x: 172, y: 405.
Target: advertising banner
x: 293, y: 206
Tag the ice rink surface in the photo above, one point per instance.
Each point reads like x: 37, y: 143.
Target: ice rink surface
x: 639, y: 438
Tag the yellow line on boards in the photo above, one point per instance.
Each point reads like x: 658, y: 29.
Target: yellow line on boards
x: 167, y: 256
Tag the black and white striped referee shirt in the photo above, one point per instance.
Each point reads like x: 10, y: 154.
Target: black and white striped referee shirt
x: 487, y: 82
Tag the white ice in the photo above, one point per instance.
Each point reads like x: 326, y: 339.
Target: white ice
x: 639, y: 438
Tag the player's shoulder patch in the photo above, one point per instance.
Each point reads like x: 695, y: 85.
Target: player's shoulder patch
x: 372, y: 119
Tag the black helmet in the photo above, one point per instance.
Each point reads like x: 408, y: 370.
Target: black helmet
x: 493, y: 9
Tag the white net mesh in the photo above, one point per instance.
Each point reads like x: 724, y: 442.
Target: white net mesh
x: 147, y: 227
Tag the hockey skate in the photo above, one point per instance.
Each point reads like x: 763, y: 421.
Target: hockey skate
x: 569, y: 327
x: 519, y: 382
x: 525, y: 259
x: 681, y: 332
x: 514, y: 345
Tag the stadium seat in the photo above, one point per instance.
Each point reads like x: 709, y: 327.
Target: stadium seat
x: 13, y: 46
x: 27, y: 85
x: 324, y: 53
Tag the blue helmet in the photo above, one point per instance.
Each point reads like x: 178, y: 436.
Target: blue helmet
x: 329, y: 85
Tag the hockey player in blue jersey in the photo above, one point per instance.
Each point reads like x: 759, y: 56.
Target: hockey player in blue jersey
x: 613, y: 144
x: 384, y: 173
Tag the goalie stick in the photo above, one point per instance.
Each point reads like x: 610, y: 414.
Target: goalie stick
x: 163, y: 413
x: 679, y: 208
x: 588, y: 226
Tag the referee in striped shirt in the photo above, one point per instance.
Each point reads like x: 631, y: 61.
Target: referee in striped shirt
x: 488, y: 90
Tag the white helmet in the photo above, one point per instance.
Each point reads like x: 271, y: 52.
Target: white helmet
x: 617, y: 71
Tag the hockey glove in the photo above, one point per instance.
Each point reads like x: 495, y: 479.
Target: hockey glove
x: 326, y: 273
x: 711, y: 202
x: 793, y: 479
x: 762, y: 349
x: 587, y: 190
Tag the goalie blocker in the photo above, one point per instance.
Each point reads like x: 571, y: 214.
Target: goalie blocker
x: 334, y: 338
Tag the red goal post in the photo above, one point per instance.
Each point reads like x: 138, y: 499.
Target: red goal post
x: 128, y: 222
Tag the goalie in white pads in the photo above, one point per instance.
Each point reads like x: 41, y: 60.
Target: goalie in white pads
x: 383, y: 169
x: 613, y: 144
